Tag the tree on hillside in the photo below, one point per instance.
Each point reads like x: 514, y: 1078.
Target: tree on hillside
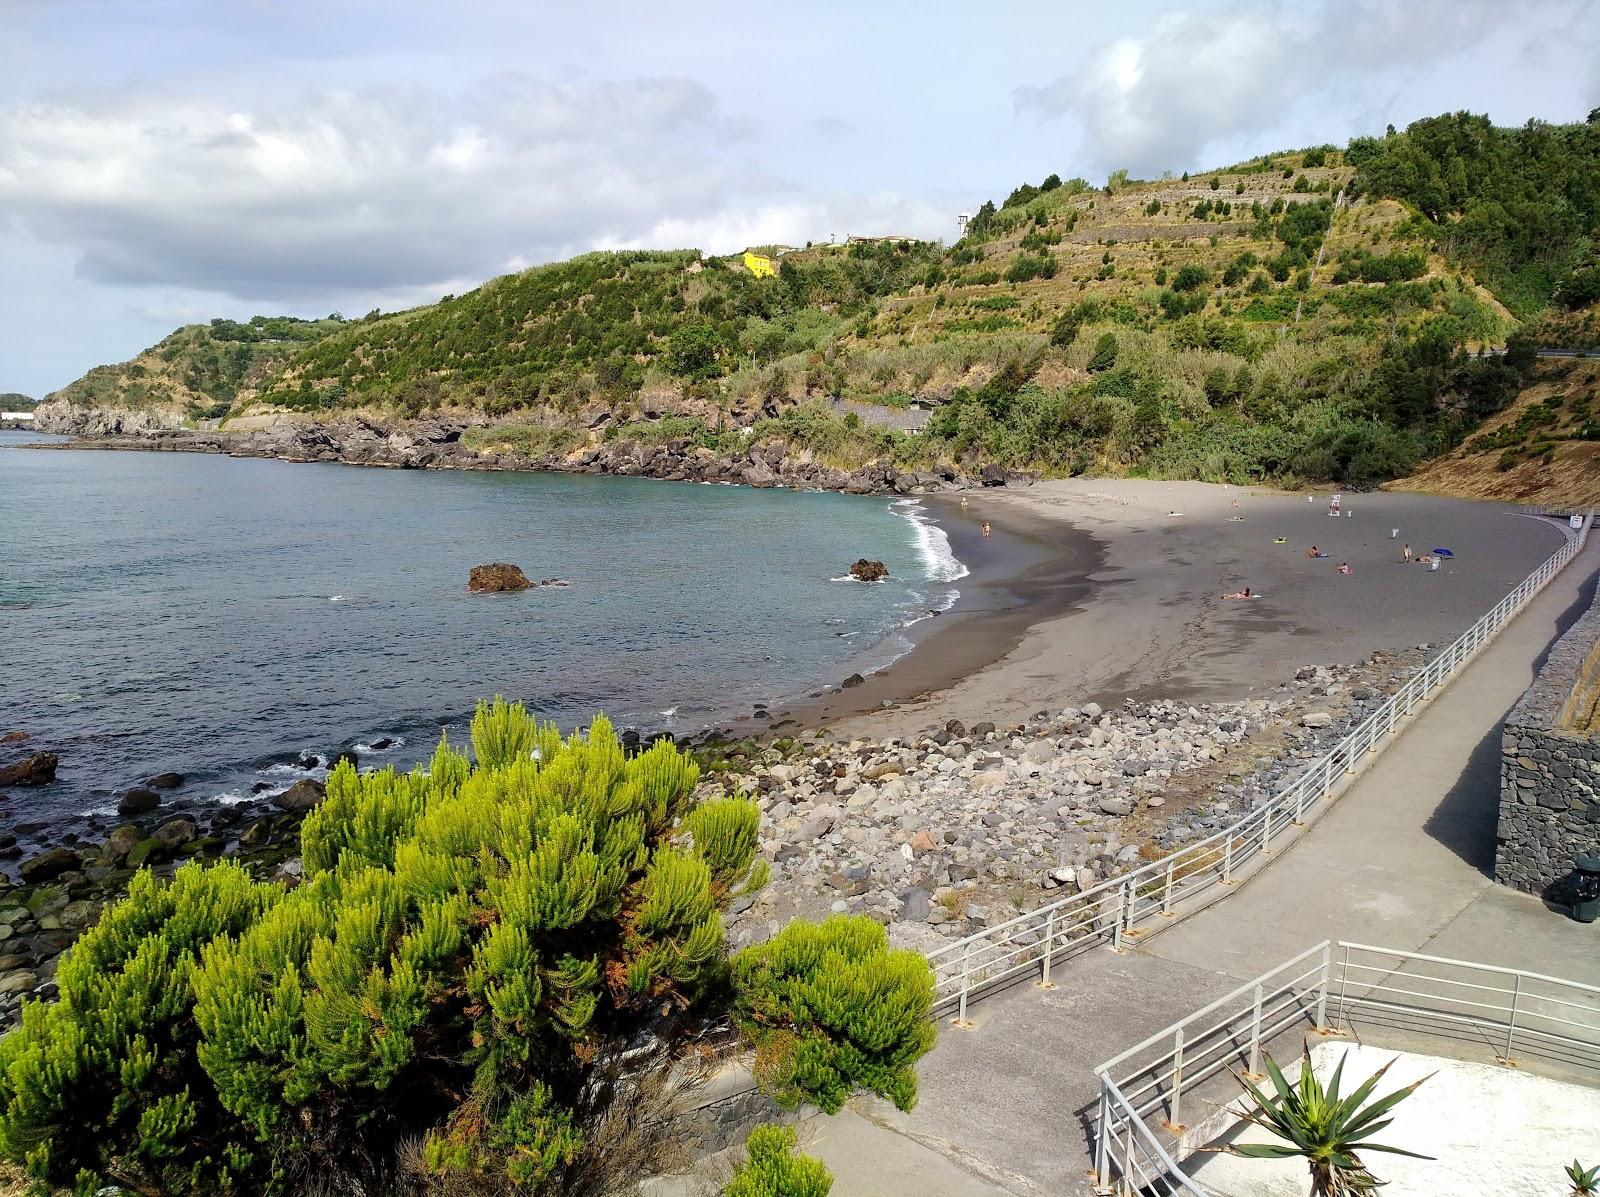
x: 1105, y: 353
x: 487, y: 967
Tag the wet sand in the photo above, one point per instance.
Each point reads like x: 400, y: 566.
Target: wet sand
x: 1121, y: 599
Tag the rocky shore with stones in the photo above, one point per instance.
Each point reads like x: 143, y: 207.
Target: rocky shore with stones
x: 964, y: 826
x: 439, y: 444
x: 58, y: 889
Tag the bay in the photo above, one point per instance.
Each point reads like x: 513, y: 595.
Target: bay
x: 219, y: 616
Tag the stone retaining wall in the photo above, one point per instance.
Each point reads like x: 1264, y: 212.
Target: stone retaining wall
x: 1550, y: 769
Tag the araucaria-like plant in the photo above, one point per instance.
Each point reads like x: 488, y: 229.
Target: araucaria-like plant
x: 1325, y: 1128
x: 772, y: 1169
x: 1585, y: 1181
x: 482, y: 960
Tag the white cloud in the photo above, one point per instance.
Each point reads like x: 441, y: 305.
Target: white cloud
x: 1206, y: 77
x: 400, y: 192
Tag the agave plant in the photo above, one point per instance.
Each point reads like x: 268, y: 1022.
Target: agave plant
x: 1585, y: 1181
x: 1326, y: 1129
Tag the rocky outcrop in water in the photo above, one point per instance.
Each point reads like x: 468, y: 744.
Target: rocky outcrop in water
x: 495, y: 577
x: 439, y: 444
x: 869, y: 571
x: 36, y: 770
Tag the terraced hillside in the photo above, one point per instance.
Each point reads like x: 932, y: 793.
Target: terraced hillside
x: 1302, y: 315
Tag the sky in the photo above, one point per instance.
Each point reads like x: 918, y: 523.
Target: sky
x: 168, y: 161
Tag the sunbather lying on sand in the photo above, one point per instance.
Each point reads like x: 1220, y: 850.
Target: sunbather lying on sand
x: 1246, y: 593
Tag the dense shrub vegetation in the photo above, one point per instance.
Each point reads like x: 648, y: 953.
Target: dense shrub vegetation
x: 1520, y: 206
x: 484, y: 962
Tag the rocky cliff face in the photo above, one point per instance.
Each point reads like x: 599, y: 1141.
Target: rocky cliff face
x: 71, y: 419
x: 438, y: 444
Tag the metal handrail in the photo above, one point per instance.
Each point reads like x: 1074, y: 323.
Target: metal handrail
x: 1113, y: 910
x: 1128, y: 1095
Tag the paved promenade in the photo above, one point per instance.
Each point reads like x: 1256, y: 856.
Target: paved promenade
x: 1404, y: 860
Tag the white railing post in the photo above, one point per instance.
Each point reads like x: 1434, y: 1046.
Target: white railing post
x: 966, y: 962
x: 1322, y: 986
x: 1049, y: 946
x: 1102, y: 1163
x: 1344, y: 977
x: 1511, y: 1027
x: 1227, y: 859
x: 1123, y: 916
x: 1166, y: 900
x: 1177, y: 1077
x: 1255, y: 1034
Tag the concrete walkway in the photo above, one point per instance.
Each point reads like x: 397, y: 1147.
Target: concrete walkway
x: 1403, y: 860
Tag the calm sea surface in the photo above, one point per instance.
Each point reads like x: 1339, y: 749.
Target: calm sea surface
x: 220, y: 617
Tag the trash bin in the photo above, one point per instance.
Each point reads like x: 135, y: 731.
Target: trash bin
x: 1434, y: 564
x: 1586, y: 888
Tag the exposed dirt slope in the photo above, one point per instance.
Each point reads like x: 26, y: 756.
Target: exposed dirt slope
x: 1543, y: 449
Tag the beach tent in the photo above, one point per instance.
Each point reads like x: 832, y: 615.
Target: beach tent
x: 1443, y: 553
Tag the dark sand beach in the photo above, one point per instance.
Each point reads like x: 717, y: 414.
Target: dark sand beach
x: 1114, y: 592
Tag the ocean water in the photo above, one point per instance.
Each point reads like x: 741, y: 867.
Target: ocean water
x: 221, y: 617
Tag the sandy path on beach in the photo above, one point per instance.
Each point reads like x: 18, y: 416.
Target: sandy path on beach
x: 1153, y: 624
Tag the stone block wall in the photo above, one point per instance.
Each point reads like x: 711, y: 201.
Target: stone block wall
x: 1550, y: 769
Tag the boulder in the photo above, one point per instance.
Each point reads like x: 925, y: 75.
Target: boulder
x: 855, y: 679
x: 495, y: 577
x: 138, y: 801
x: 147, y: 851
x: 174, y: 833
x: 869, y: 571
x: 300, y: 797
x: 165, y: 781
x: 121, y: 842
x: 48, y: 865
x: 37, y: 770
x: 1315, y: 719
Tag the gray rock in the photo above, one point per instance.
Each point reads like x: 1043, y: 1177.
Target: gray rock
x: 48, y: 865
x: 301, y: 796
x: 138, y: 801
x: 1114, y: 806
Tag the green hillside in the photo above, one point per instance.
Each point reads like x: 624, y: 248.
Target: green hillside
x: 202, y: 369
x: 1306, y: 314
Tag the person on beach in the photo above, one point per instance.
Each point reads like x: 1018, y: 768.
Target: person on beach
x: 1344, y: 568
x: 1407, y: 552
x: 963, y: 502
x: 1240, y: 594
x: 986, y: 527
x: 1313, y: 552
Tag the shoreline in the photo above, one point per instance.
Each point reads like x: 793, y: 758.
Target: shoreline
x: 1034, y: 569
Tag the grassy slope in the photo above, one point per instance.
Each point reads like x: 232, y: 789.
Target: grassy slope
x: 1544, y: 448
x: 200, y: 370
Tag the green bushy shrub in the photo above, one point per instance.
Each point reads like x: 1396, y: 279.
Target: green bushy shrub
x: 772, y: 1169
x: 474, y: 956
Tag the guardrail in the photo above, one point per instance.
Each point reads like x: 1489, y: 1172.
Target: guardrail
x: 1115, y: 909
x: 1490, y: 1008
